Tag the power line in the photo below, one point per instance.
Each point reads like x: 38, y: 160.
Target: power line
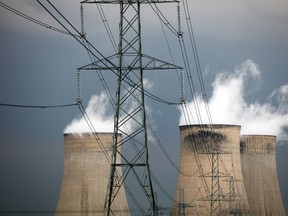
x: 196, y: 59
x: 31, y: 19
x: 105, y: 61
x: 163, y: 19
x: 38, y: 106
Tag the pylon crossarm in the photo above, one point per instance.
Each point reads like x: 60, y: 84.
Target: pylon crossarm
x: 129, y: 1
x: 149, y: 63
x: 108, y: 63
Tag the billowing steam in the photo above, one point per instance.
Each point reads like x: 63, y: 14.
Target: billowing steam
x: 101, y: 115
x: 97, y: 111
x: 228, y: 104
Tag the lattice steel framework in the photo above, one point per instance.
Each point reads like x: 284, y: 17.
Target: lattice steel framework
x: 215, y: 195
x: 130, y: 115
x: 216, y: 189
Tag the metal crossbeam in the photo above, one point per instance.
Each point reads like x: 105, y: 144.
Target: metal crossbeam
x: 148, y: 63
x: 129, y: 1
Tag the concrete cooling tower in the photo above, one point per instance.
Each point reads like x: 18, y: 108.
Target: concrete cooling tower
x: 86, y: 174
x: 193, y: 190
x: 260, y: 175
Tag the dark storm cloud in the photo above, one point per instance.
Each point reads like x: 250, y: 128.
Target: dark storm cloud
x: 39, y: 66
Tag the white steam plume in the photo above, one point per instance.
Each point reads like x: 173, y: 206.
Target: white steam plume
x: 103, y: 120
x: 97, y: 110
x: 228, y: 105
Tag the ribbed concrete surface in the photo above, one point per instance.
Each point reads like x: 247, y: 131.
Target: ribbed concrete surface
x: 195, y: 140
x: 85, y: 178
x: 260, y: 175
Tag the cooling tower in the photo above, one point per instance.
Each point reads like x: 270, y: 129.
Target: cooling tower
x: 193, y: 190
x: 260, y: 175
x: 86, y: 174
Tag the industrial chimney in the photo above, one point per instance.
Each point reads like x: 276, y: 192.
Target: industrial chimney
x: 193, y: 190
x: 260, y: 174
x: 86, y: 175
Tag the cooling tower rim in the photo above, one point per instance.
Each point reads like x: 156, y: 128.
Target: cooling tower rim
x: 88, y: 134
x: 209, y: 125
x: 257, y: 135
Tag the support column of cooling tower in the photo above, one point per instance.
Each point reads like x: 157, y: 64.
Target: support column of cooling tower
x: 260, y: 174
x: 130, y: 115
x: 195, y: 178
x: 86, y: 175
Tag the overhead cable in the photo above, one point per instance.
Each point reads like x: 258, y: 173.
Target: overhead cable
x: 25, y: 16
x: 107, y: 27
x: 189, y: 77
x: 163, y: 18
x: 79, y: 33
x: 196, y: 58
x: 37, y: 106
x: 104, y: 60
x: 104, y: 151
x: 93, y: 130
x: 164, y: 150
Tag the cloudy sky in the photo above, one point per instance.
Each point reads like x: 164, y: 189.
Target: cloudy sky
x: 242, y: 48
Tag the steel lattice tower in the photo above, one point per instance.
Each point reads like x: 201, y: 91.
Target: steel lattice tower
x: 215, y: 185
x: 130, y: 115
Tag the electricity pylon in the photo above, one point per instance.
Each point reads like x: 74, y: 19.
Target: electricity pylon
x: 130, y: 115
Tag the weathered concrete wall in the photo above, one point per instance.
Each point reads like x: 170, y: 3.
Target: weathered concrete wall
x: 86, y: 174
x: 195, y: 163
x: 258, y: 161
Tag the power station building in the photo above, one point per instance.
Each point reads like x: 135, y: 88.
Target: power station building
x: 86, y: 175
x: 258, y: 161
x: 193, y: 188
x: 247, y: 173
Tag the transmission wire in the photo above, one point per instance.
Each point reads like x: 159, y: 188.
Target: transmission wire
x: 163, y: 18
x: 189, y: 77
x: 37, y: 106
x: 106, y: 25
x: 196, y: 58
x: 202, y: 86
x: 29, y: 18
